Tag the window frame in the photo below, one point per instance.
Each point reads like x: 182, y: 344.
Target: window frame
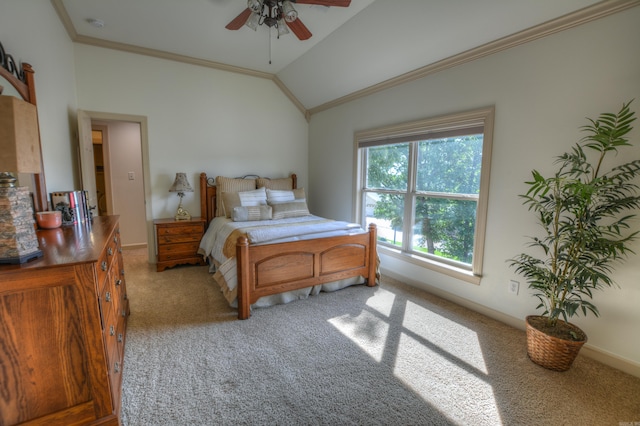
x: 412, y: 131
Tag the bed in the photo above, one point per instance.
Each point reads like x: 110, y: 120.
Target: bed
x: 256, y: 264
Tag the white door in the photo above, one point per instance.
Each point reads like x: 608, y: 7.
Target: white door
x: 87, y: 165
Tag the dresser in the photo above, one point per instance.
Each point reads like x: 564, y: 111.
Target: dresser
x: 62, y: 329
x: 178, y: 242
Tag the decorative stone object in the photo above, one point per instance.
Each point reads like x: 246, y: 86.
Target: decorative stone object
x: 18, y: 240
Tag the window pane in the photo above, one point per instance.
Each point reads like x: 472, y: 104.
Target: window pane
x: 445, y: 228
x: 387, y: 167
x: 386, y: 211
x: 450, y: 165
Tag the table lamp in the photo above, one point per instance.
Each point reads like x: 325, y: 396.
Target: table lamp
x: 181, y: 185
x: 19, y: 153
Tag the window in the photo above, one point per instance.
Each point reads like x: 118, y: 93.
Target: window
x: 425, y: 185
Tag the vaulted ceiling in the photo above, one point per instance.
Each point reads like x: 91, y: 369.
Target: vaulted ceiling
x: 353, y: 50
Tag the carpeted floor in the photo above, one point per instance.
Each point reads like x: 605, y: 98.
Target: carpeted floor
x: 389, y: 355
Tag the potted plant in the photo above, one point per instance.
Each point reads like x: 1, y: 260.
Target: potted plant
x: 585, y: 214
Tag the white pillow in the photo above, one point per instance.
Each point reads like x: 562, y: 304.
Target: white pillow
x: 256, y: 197
x: 279, y: 196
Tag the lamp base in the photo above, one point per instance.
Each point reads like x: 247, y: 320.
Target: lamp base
x: 182, y: 214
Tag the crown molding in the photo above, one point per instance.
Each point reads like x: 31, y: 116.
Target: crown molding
x: 582, y: 16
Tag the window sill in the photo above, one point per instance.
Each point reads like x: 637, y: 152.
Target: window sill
x: 442, y: 268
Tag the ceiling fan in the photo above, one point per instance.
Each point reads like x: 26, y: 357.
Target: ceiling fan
x: 279, y: 14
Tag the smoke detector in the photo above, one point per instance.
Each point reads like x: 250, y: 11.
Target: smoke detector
x: 97, y: 23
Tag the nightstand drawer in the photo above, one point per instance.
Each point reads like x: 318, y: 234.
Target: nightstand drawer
x: 179, y: 238
x: 178, y: 250
x: 178, y: 229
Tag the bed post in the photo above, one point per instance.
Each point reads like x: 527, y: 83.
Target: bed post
x: 373, y: 256
x: 242, y: 257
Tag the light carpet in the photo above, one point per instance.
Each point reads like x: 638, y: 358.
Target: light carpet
x: 388, y: 355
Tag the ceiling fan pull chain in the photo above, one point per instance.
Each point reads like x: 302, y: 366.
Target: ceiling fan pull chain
x: 269, y: 45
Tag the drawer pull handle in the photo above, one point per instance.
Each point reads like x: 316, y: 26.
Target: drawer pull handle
x: 103, y: 265
x: 118, y: 282
x: 107, y: 296
x: 116, y: 367
x: 110, y: 251
x: 120, y: 337
x: 112, y: 330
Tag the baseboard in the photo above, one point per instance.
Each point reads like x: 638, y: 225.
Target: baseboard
x: 626, y: 365
x: 134, y: 246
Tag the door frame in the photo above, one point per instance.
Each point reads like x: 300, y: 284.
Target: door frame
x: 144, y: 141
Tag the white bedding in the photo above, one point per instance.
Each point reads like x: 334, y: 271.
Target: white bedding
x: 266, y: 232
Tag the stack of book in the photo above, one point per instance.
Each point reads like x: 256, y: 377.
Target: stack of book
x: 73, y: 205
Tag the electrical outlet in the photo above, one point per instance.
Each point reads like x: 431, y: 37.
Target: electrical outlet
x: 132, y: 176
x: 514, y: 286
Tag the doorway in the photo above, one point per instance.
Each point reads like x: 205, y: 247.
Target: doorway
x: 114, y: 162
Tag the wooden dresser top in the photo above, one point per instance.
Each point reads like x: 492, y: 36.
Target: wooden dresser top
x: 68, y: 245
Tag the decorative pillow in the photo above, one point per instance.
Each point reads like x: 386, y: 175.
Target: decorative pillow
x: 230, y: 200
x: 279, y: 196
x: 298, y: 194
x: 280, y: 184
x: 256, y: 197
x: 225, y: 184
x: 291, y: 209
x: 251, y: 213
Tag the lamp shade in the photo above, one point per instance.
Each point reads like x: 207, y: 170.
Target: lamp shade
x: 181, y: 184
x: 19, y: 136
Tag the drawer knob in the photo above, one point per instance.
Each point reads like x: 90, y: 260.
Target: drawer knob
x: 116, y: 367
x: 112, y: 330
x: 118, y: 282
x: 120, y: 337
x: 107, y: 296
x: 103, y: 265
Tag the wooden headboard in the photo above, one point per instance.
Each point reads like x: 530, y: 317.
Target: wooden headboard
x: 208, y: 194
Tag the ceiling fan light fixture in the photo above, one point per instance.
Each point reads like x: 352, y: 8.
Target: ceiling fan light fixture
x: 253, y: 21
x: 255, y: 5
x: 282, y: 28
x: 288, y: 12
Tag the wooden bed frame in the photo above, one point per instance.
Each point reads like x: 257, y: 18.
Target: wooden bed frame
x: 276, y: 268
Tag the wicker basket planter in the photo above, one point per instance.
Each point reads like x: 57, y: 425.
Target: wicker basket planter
x: 552, y: 352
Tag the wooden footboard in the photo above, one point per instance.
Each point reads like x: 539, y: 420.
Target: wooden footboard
x: 275, y: 268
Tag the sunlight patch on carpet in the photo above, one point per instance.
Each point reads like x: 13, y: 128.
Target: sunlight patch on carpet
x: 447, y: 336
x: 455, y: 389
x: 366, y: 330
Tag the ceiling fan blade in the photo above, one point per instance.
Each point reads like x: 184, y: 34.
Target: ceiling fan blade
x: 239, y: 20
x: 338, y: 3
x: 299, y: 29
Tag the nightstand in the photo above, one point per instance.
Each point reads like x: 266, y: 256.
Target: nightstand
x: 178, y: 242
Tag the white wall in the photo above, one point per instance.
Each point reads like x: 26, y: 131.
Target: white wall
x: 542, y: 92
x: 199, y: 119
x: 32, y: 33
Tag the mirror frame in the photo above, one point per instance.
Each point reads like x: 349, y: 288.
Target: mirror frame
x: 22, y: 79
